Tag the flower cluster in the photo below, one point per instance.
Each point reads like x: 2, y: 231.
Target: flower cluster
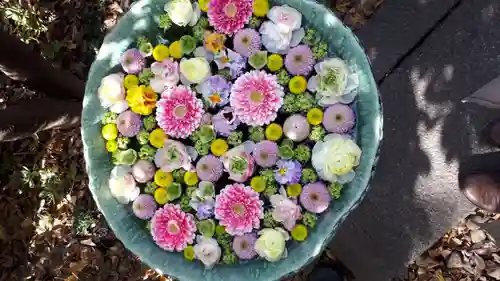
x: 234, y: 137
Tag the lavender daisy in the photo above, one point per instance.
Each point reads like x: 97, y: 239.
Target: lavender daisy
x: 288, y: 172
x: 265, y: 153
x: 315, y: 197
x: 244, y: 246
x: 128, y: 123
x: 132, y: 61
x: 231, y: 59
x: 225, y: 121
x: 215, y: 90
x: 300, y: 60
x: 144, y: 206
x: 246, y: 42
x: 209, y: 168
x: 205, y: 210
x: 339, y: 118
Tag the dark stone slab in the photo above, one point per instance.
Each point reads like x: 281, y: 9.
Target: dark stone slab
x: 428, y: 132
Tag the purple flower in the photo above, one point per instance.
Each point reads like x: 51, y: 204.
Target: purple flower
x: 246, y: 42
x: 244, y: 246
x: 300, y: 60
x: 315, y: 197
x: 209, y: 168
x: 231, y: 59
x: 288, y: 172
x: 132, y: 61
x: 128, y: 123
x: 215, y: 90
x: 225, y: 121
x: 205, y: 210
x: 265, y: 153
x: 339, y: 118
x: 166, y: 74
x: 144, y: 206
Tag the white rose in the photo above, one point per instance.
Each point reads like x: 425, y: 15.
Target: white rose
x: 111, y: 93
x: 122, y: 184
x: 207, y: 250
x: 180, y: 11
x: 195, y: 70
x: 274, y: 39
x: 271, y: 244
x: 285, y: 17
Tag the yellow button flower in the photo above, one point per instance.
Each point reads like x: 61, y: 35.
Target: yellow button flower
x: 274, y: 62
x: 297, y: 84
x: 299, y: 233
x: 260, y: 7
x: 190, y: 178
x: 294, y: 190
x: 315, y: 116
x: 258, y: 184
x: 163, y: 178
x: 130, y: 81
x: 189, y: 253
x: 111, y: 146
x: 219, y: 147
x: 175, y: 50
x: 161, y: 52
x: 274, y: 132
x: 109, y: 131
x: 157, y: 138
x: 204, y: 5
x: 161, y: 196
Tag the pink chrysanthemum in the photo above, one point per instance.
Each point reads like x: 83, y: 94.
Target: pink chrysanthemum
x: 209, y: 168
x: 265, y: 153
x: 179, y: 112
x: 238, y: 208
x: 300, y: 60
x: 256, y: 97
x: 229, y: 16
x: 172, y: 229
x: 246, y: 42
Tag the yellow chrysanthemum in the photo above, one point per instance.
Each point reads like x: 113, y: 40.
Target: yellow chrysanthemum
x: 299, y: 233
x: 274, y: 62
x: 157, y: 138
x: 189, y: 253
x: 130, y: 81
x: 175, y: 50
x: 111, y: 146
x: 258, y: 184
x: 109, y: 132
x: 274, y: 132
x: 219, y: 147
x: 163, y: 178
x: 161, y: 52
x: 260, y: 8
x: 315, y: 116
x: 190, y: 178
x: 161, y: 196
x: 297, y: 84
x: 204, y: 5
x: 141, y: 99
x: 294, y: 190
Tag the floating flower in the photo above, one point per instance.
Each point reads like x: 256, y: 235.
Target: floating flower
x: 299, y: 233
x: 180, y: 11
x: 109, y: 132
x: 179, y: 112
x: 190, y: 178
x: 287, y: 172
x: 296, y: 128
x: 285, y: 17
x: 333, y: 83
x: 111, y: 93
x: 297, y: 85
x: 128, y: 123
x: 273, y: 38
x: 162, y: 178
x: 219, y: 147
x: 238, y: 163
x: 175, y: 49
x: 172, y: 156
x: 122, y: 184
x: 195, y: 70
x: 143, y: 171
x: 207, y: 250
x: 260, y: 7
x: 204, y: 5
x: 258, y: 184
x: 246, y: 42
x: 243, y: 246
x: 161, y: 195
x: 315, y: 197
x: 166, y: 74
x: 294, y: 190
x: 339, y: 118
x: 265, y: 153
x: 231, y: 59
x: 205, y: 210
x: 271, y: 244
x: 315, y: 116
x: 157, y: 138
x: 130, y: 81
x: 172, y: 229
x: 274, y: 132
x: 285, y: 210
x: 214, y: 42
x: 132, y: 61
x: 215, y: 90
x: 256, y: 97
x: 209, y: 168
x: 274, y: 62
x: 160, y: 53
x: 142, y: 99
x: 238, y: 208
x: 144, y: 206
x: 258, y: 60
x: 299, y: 60
x: 111, y: 146
x: 229, y: 16
x: 343, y: 155
x: 189, y: 253
x: 225, y: 121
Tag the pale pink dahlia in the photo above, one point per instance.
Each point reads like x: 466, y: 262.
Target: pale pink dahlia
x: 172, y: 229
x: 229, y: 16
x: 256, y: 97
x: 179, y: 112
x: 238, y: 208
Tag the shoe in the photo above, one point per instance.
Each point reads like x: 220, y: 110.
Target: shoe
x: 483, y: 190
